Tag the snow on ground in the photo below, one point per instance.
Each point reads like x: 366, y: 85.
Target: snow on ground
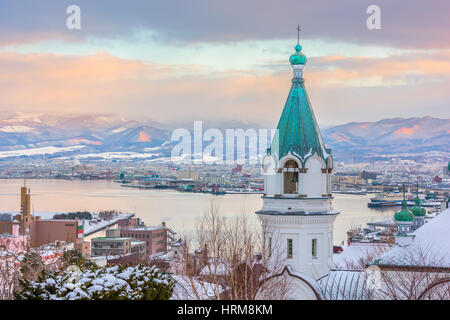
x: 24, y: 117
x: 117, y: 130
x: 152, y: 149
x: 118, y: 155
x: 37, y: 151
x: 16, y: 129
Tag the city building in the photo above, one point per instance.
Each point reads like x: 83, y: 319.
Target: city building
x: 426, y: 248
x: 446, y: 171
x: 41, y: 231
x: 13, y: 240
x: 215, y: 179
x: 187, y: 174
x: 131, y: 223
x: 114, y: 246
x: 157, y: 238
x: 237, y: 169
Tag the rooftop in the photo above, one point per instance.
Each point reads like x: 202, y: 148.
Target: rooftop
x: 298, y: 213
x: 146, y: 228
x: 430, y: 247
x: 109, y: 238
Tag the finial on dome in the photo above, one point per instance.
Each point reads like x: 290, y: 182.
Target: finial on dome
x: 404, y: 215
x: 298, y: 58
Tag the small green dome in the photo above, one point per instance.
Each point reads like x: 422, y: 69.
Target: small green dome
x: 404, y: 215
x: 417, y: 210
x: 297, y: 57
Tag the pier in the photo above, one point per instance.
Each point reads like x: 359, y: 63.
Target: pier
x: 87, y: 230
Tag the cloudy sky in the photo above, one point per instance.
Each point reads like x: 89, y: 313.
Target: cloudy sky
x: 179, y: 60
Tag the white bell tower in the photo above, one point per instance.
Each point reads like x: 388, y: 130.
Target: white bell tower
x: 297, y: 213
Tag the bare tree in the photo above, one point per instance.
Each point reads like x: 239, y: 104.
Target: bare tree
x: 18, y: 260
x: 231, y: 261
x: 419, y: 274
x: 10, y: 254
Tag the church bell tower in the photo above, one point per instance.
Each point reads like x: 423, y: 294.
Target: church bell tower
x: 297, y: 213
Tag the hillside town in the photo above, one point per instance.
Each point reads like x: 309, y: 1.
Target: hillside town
x: 291, y: 255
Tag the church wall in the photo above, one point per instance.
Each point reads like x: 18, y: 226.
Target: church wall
x: 313, y: 178
x: 302, y: 230
x: 296, y: 204
x: 324, y: 183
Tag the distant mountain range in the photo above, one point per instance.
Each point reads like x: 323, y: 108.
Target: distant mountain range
x: 33, y: 135
x: 390, y: 136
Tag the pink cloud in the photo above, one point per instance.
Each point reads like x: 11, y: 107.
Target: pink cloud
x: 101, y: 83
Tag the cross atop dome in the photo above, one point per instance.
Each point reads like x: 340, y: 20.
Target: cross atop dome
x: 298, y: 58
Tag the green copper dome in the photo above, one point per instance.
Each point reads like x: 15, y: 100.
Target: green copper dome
x: 417, y: 210
x: 404, y: 215
x: 298, y: 57
x: 297, y: 131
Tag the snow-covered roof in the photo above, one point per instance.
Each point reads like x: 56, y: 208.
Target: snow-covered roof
x: 216, y: 268
x: 429, y: 248
x: 135, y: 242
x: 358, y: 254
x: 146, y: 228
x: 188, y: 288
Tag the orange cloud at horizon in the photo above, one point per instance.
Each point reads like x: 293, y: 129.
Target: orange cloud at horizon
x: 102, y: 83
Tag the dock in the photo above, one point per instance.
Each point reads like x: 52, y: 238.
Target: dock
x: 88, y: 229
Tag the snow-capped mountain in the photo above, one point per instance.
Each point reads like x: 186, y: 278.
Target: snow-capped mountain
x: 50, y: 135
x: 390, y: 136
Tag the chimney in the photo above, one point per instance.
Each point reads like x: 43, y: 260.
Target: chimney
x: 15, y: 229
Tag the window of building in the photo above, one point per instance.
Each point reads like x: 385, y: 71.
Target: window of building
x: 314, y: 248
x: 270, y: 246
x: 289, y: 248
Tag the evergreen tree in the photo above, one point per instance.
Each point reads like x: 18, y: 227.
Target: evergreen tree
x: 99, y: 283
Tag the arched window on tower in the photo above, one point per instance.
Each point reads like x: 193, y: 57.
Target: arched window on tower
x: 290, y: 177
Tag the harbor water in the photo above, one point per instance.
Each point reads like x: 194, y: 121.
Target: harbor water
x: 179, y: 209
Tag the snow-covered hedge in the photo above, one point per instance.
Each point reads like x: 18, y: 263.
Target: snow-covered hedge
x: 117, y: 282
